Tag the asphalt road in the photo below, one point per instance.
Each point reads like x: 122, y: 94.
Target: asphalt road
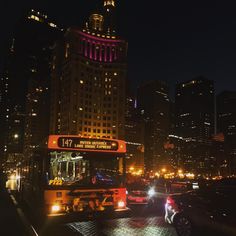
x: 124, y: 226
x: 141, y: 221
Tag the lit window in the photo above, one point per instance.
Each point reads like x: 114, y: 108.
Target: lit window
x: 52, y: 25
x: 34, y: 17
x: 67, y: 50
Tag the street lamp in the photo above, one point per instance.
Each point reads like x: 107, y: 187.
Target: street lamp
x: 180, y: 171
x: 163, y: 170
x: 131, y: 168
x: 16, y: 136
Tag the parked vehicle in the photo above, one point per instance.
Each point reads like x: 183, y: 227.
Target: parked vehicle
x: 212, y: 209
x: 140, y: 194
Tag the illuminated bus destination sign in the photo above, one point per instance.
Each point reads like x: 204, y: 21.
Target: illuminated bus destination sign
x: 88, y: 144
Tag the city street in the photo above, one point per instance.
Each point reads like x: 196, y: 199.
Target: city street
x: 117, y: 119
x: 147, y: 225
x: 141, y: 220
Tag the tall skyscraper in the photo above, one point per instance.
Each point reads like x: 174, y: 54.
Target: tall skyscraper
x: 194, y: 121
x: 37, y: 114
x: 88, y: 79
x: 27, y: 61
x: 154, y: 108
x: 134, y: 137
x: 194, y: 109
x: 226, y: 124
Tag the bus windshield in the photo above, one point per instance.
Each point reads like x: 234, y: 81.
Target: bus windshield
x: 80, y: 169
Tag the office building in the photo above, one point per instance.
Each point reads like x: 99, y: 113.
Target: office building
x: 154, y: 109
x: 89, y: 78
x: 27, y: 59
x: 226, y: 125
x: 194, y: 121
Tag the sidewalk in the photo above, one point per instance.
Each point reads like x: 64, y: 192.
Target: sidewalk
x: 10, y: 223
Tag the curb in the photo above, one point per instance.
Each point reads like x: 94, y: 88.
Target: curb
x: 28, y: 227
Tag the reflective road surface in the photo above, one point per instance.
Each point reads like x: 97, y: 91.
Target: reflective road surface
x: 143, y: 226
x: 142, y: 221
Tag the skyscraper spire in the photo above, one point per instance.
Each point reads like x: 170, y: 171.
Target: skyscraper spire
x: 109, y: 11
x: 108, y: 3
x: 103, y: 19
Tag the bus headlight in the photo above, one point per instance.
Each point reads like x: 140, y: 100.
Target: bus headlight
x: 55, y: 208
x: 151, y: 192
x: 121, y: 204
x: 12, y: 177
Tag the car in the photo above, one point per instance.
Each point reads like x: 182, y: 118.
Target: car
x: 138, y: 194
x: 212, y: 209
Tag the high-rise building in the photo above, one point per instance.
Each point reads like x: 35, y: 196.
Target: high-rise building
x: 134, y: 137
x: 27, y: 59
x: 226, y: 124
x: 89, y: 79
x: 194, y: 109
x: 37, y: 114
x: 194, y: 121
x: 154, y: 108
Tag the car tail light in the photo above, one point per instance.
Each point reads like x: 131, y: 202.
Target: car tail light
x: 171, y: 204
x: 170, y: 201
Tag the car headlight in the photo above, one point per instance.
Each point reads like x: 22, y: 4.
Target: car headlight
x: 151, y: 192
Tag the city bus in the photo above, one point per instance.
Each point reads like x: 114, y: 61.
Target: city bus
x: 72, y: 174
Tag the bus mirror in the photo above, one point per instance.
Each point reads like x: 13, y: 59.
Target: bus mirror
x: 73, y: 154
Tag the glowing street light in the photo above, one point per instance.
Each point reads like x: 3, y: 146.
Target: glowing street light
x: 16, y: 136
x: 180, y: 171
x: 163, y: 170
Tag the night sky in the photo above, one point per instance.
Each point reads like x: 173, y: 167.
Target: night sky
x: 168, y: 40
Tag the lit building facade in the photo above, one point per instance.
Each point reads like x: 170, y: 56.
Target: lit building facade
x: 37, y: 115
x: 26, y: 59
x: 154, y: 108
x: 194, y: 121
x: 226, y: 124
x: 89, y: 78
x: 134, y: 137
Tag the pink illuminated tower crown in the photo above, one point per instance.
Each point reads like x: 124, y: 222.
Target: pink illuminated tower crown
x: 98, y: 40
